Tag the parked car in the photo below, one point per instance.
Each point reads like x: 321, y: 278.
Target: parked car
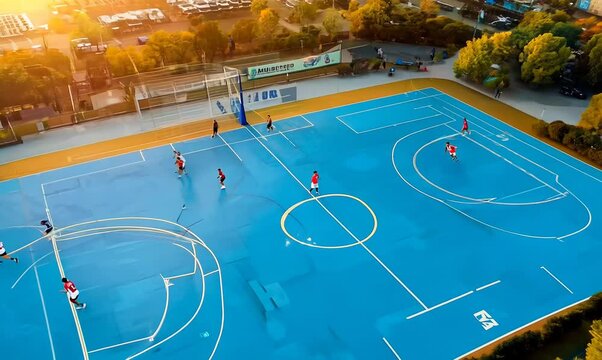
x: 569, y: 90
x: 188, y: 9
x: 224, y: 5
x: 245, y: 3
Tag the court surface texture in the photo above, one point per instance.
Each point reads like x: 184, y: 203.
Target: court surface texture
x: 404, y: 254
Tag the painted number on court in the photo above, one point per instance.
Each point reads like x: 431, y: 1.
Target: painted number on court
x: 487, y: 322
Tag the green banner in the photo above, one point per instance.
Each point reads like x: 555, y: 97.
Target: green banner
x: 284, y: 67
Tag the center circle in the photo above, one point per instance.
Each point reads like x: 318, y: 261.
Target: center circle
x: 317, y: 199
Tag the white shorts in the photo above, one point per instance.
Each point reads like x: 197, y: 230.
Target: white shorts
x: 453, y: 154
x: 314, y: 186
x: 74, y: 295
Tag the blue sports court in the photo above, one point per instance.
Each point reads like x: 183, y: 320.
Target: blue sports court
x: 405, y: 254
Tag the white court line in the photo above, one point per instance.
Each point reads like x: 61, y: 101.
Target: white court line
x: 172, y: 147
x: 29, y: 268
x: 439, y: 305
x: 399, y: 123
x: 391, y: 348
x: 388, y: 105
x: 458, y: 210
x: 253, y: 126
x: 286, y: 137
x: 166, y: 284
x: 28, y: 245
x: 348, y: 126
x: 211, y: 272
x: 229, y: 147
x: 341, y: 224
x: 35, y: 270
x: 142, y: 155
x: 463, y: 356
x: 522, y: 141
x: 59, y: 264
x: 488, y: 285
x: 96, y: 172
x: 555, y: 278
x: 118, y: 345
x: 521, y: 193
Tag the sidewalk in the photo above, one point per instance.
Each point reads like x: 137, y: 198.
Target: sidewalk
x: 545, y: 104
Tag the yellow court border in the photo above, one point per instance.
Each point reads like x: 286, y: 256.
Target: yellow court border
x: 317, y: 198
x: 203, y: 127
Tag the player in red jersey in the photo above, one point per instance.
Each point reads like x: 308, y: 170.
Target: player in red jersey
x: 73, y: 293
x: 4, y: 254
x: 221, y: 177
x: 180, y: 164
x: 465, y: 127
x: 451, y: 149
x: 314, y: 183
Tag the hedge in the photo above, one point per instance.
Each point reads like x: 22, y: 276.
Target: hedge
x: 586, y: 142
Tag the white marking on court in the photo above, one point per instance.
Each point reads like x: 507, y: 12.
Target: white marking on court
x: 196, y: 240
x: 399, y: 123
x: 35, y: 270
x: 96, y: 172
x: 453, y: 208
x: 388, y: 105
x: 229, y: 147
x: 29, y: 268
x: 59, y: 264
x: 118, y: 345
x: 348, y: 126
x: 391, y: 348
x: 522, y: 141
x: 341, y: 224
x: 166, y: 284
x: 28, y: 245
x: 172, y: 147
x: 555, y: 278
x: 488, y: 285
x: 289, y: 140
x: 439, y: 305
x: 306, y: 119
x: 211, y: 272
x: 589, y: 214
x: 142, y: 155
x: 521, y: 193
x: 463, y: 356
x: 504, y: 158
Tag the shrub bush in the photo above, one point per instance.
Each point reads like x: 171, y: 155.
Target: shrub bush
x: 541, y: 128
x: 344, y: 69
x: 573, y: 138
x: 557, y: 129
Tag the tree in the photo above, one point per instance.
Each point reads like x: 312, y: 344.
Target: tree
x: 353, y: 6
x: 333, y: 22
x: 592, y: 27
x: 257, y: 6
x: 593, y: 51
x: 502, y: 49
x: 561, y: 16
x: 127, y: 61
x: 267, y: 23
x: 368, y: 20
x: 591, y: 118
x: 184, y: 51
x: 474, y: 60
x: 158, y: 47
x: 303, y: 12
x: 16, y: 86
x: 209, y: 40
x: 533, y: 24
x: 457, y: 33
x: 90, y: 29
x: 543, y: 58
x: 570, y: 32
x: 594, y: 348
x: 429, y: 7
x: 244, y: 30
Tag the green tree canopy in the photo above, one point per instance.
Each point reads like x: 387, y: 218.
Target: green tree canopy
x: 593, y: 51
x: 543, y: 58
x: 257, y: 6
x: 244, y: 30
x: 332, y: 22
x: 171, y: 48
x: 591, y: 118
x: 533, y: 24
x: 502, y: 49
x: 17, y: 87
x: 267, y: 23
x: 474, y: 60
x: 569, y: 31
x: 594, y: 348
x: 209, y: 39
x: 353, y: 6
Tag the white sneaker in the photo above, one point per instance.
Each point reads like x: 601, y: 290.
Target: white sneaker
x: 81, y: 307
x: 223, y: 187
